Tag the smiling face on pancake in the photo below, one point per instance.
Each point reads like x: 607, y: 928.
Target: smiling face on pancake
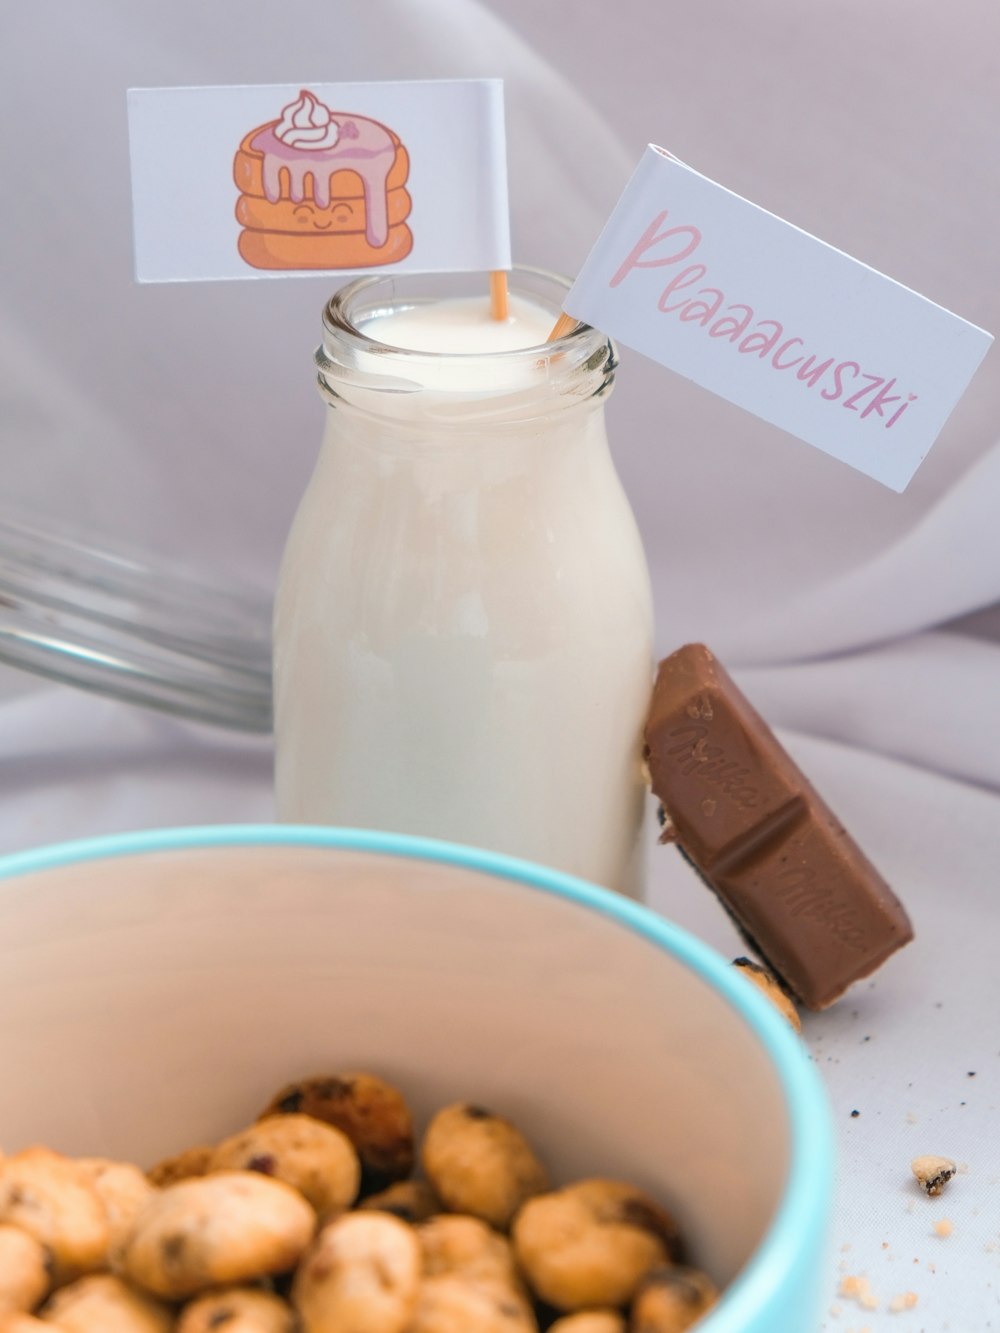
x: 321, y: 189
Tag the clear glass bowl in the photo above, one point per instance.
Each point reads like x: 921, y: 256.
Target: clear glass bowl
x: 106, y: 620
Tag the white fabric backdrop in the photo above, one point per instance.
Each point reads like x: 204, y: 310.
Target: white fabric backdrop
x: 184, y: 418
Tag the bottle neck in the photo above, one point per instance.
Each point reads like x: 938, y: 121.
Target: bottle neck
x: 406, y: 393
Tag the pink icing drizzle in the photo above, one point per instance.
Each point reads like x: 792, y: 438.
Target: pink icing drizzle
x: 363, y: 146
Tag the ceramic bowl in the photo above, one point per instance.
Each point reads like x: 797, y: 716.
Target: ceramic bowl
x: 156, y: 989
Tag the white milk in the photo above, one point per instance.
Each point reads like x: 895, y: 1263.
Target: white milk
x: 463, y: 325
x: 463, y: 627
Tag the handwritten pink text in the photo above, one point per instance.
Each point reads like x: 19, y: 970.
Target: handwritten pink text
x: 707, y: 308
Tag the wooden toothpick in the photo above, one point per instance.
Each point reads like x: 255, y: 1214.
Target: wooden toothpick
x: 499, y: 304
x: 563, y: 325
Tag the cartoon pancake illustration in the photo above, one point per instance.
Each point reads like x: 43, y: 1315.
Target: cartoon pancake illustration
x: 322, y: 189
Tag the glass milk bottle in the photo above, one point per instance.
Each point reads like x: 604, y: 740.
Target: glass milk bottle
x: 463, y: 624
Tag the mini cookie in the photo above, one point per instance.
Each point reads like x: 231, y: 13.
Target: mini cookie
x: 590, y: 1321
x: 452, y: 1303
x: 361, y: 1274
x: 671, y: 1299
x: 478, y: 1163
x: 409, y: 1200
x: 104, y: 1304
x: 768, y: 985
x: 24, y: 1270
x: 232, y: 1226
x: 184, y: 1165
x: 591, y: 1243
x: 372, y: 1113
x: 123, y: 1190
x: 467, y: 1247
x: 933, y: 1173
x: 51, y: 1198
x: 237, y: 1310
x: 315, y: 1159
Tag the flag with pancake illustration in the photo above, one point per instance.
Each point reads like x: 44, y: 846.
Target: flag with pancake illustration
x: 407, y: 176
x: 322, y: 189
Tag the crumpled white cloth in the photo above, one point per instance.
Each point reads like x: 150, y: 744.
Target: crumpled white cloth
x: 947, y: 564
x: 184, y: 419
x: 930, y: 699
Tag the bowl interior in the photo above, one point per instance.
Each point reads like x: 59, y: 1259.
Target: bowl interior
x: 152, y: 1001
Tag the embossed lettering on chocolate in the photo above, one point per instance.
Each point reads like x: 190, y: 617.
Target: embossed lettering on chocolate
x: 797, y: 885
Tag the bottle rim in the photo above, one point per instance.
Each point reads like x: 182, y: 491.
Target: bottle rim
x: 580, y: 364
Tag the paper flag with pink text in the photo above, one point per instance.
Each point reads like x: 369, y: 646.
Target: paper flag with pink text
x: 776, y: 321
x: 245, y: 182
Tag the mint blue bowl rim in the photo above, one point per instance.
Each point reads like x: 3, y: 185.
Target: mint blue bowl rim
x: 798, y: 1231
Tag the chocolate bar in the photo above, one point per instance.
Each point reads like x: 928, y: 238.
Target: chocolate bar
x: 801, y: 891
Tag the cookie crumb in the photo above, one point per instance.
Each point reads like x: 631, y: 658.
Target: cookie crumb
x: 907, y: 1300
x: 859, y: 1289
x: 944, y: 1228
x: 933, y: 1173
x: 768, y: 985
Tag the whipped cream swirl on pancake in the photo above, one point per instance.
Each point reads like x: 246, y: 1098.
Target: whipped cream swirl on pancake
x: 307, y: 124
x: 310, y: 146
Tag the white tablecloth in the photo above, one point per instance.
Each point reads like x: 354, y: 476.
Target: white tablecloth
x: 184, y: 418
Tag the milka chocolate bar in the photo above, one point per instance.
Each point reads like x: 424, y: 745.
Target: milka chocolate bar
x: 799, y: 888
